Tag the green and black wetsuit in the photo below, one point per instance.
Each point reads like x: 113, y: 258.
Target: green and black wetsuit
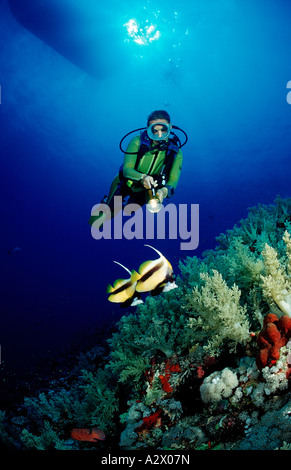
x: 128, y: 182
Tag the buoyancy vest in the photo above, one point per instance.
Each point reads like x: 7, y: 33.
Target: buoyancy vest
x: 170, y: 147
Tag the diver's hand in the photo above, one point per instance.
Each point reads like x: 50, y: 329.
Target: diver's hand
x: 162, y: 193
x: 148, y: 182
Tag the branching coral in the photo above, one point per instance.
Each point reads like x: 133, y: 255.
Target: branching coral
x: 157, y: 328
x: 271, y: 431
x: 162, y: 360
x: 100, y: 402
x: 48, y: 438
x: 91, y: 400
x: 276, y: 284
x: 218, y: 312
x: 264, y: 224
x: 242, y: 265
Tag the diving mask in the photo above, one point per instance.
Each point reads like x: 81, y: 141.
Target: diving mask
x: 159, y: 131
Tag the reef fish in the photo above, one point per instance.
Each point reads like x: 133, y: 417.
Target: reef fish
x: 89, y: 435
x: 156, y: 276
x: 123, y: 290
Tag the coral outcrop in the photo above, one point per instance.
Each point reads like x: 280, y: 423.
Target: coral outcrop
x: 206, y: 366
x: 218, y: 385
x: 220, y: 313
x: 273, y: 336
x: 277, y: 281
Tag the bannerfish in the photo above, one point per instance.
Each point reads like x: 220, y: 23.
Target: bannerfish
x: 123, y: 290
x: 156, y: 276
x: 89, y: 435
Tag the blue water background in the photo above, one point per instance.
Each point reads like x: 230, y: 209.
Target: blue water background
x: 220, y: 68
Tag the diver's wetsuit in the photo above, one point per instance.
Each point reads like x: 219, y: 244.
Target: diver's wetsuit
x: 129, y: 186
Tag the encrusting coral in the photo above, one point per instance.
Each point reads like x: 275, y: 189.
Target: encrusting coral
x: 206, y: 366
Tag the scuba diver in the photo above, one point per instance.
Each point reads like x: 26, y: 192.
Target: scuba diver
x: 151, y: 167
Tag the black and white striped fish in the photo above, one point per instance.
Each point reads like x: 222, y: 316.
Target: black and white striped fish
x: 156, y: 276
x: 123, y: 291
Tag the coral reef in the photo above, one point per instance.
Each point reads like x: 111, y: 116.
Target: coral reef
x: 277, y: 281
x: 206, y: 366
x: 219, y: 313
x: 218, y: 385
x: 273, y: 336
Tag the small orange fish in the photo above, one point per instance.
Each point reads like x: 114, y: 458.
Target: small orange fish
x: 89, y: 435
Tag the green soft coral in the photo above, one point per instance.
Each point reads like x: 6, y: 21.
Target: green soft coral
x: 276, y: 284
x: 264, y: 224
x: 158, y: 328
x: 47, y: 439
x: 221, y: 297
x: 217, y: 311
x: 101, y: 402
x: 91, y: 402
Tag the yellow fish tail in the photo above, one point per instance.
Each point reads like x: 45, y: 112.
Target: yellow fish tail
x: 109, y: 289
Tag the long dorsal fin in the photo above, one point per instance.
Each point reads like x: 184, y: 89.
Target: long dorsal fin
x: 157, y: 251
x: 122, y: 267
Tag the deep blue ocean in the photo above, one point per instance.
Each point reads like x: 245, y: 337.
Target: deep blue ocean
x: 75, y: 77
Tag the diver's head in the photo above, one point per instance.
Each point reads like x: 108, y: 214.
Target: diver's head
x: 159, y: 114
x: 159, y: 125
